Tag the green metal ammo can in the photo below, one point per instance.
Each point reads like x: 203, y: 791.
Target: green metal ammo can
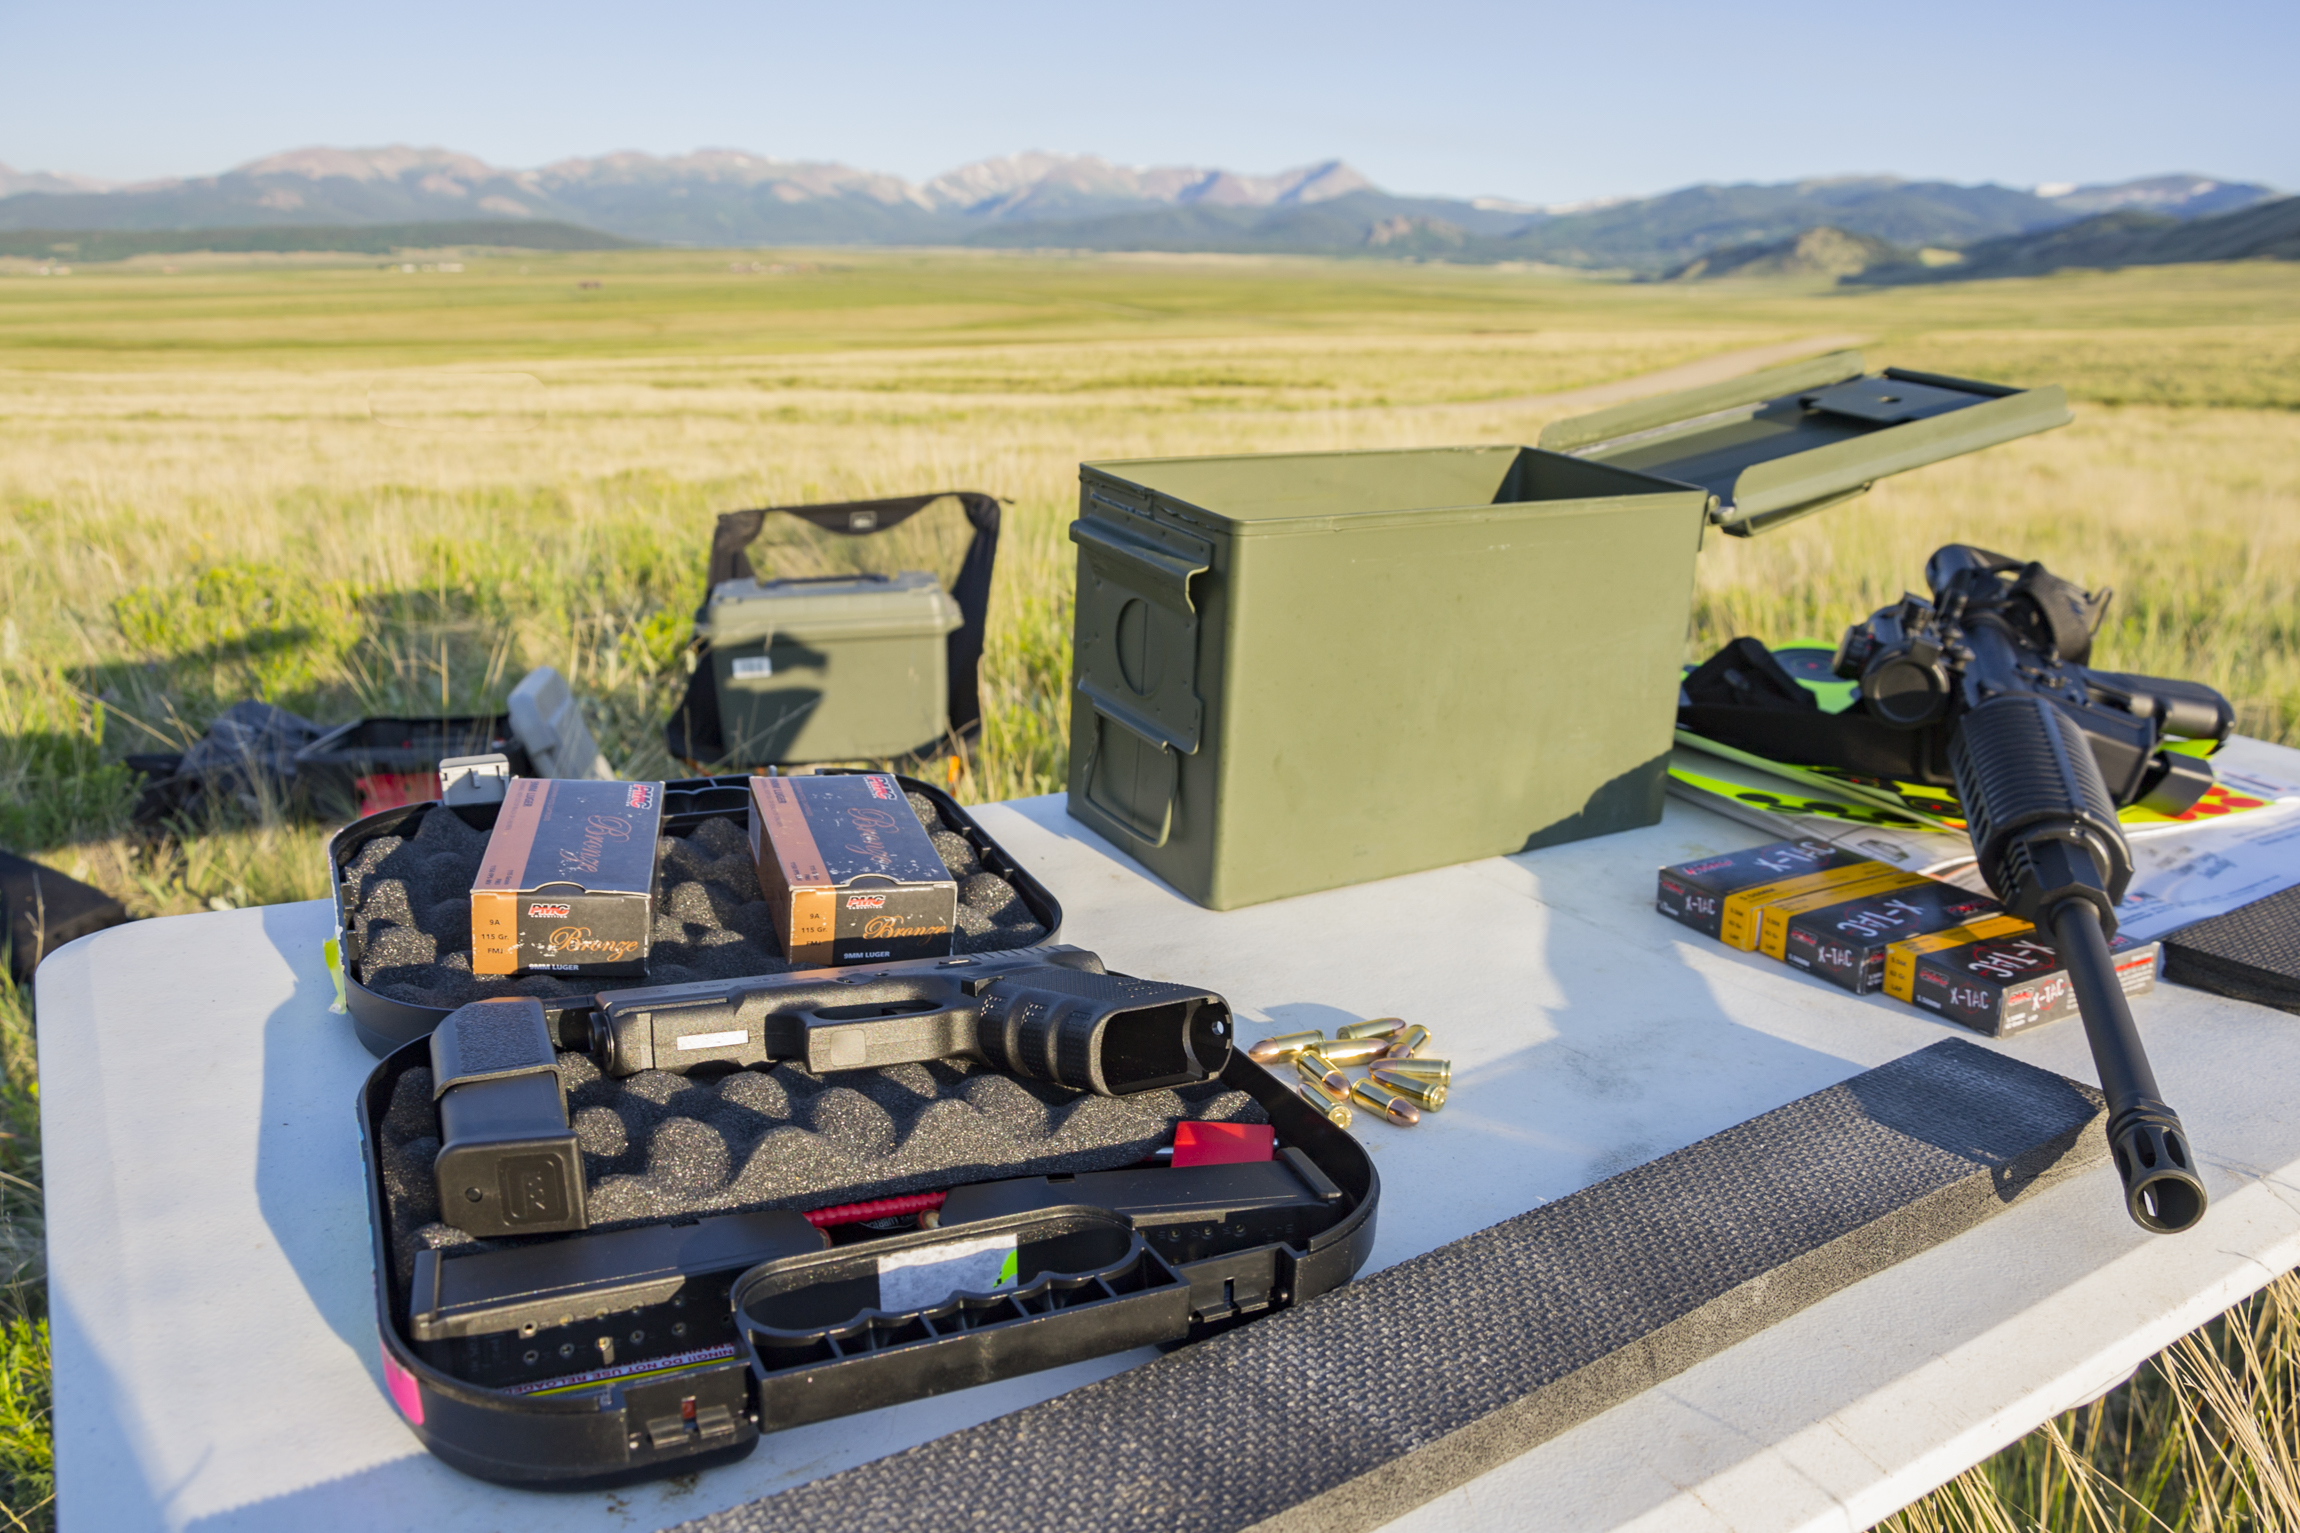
x: 1298, y: 671
x: 831, y: 668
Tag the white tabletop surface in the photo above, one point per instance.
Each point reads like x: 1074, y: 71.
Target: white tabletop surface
x: 216, y: 1361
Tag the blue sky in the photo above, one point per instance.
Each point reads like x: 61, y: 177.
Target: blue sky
x: 1541, y: 102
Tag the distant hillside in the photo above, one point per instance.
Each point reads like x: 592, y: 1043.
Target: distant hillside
x: 1822, y: 252
x: 1665, y: 231
x: 2187, y: 196
x: 727, y: 197
x: 359, y: 239
x: 2269, y: 231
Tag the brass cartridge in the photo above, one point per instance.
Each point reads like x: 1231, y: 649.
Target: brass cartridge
x: 1285, y: 1046
x: 1429, y: 1094
x: 1409, y: 1042
x: 1391, y: 1104
x: 1332, y: 1107
x: 1378, y: 1027
x: 1437, y: 1072
x: 1347, y: 1052
x: 1312, y: 1065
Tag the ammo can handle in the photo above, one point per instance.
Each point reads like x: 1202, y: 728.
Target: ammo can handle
x: 1123, y: 818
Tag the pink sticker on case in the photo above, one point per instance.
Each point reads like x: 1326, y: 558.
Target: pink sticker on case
x: 404, y: 1392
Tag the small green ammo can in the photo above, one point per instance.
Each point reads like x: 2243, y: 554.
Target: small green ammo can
x: 1298, y: 671
x: 830, y: 668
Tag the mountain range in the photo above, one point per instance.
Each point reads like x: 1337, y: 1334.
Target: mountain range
x: 726, y: 197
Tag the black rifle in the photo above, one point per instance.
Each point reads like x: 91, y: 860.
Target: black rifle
x: 1045, y: 1013
x: 2042, y: 751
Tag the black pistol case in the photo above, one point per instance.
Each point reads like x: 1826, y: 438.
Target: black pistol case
x: 1101, y: 1261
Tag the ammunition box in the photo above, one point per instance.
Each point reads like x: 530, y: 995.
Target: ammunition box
x: 1901, y: 958
x: 829, y: 669
x: 1847, y: 944
x: 1694, y: 893
x: 1766, y: 921
x: 567, y: 884
x: 849, y: 873
x: 1267, y: 648
x: 2009, y: 984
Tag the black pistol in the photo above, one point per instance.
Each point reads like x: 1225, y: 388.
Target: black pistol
x: 1044, y: 1013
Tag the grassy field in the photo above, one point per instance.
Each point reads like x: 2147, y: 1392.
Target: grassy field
x: 353, y: 488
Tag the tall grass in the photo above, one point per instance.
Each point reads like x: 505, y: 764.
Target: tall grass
x: 350, y: 491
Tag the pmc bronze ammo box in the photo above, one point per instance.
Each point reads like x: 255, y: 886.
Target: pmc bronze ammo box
x: 567, y: 885
x: 850, y: 874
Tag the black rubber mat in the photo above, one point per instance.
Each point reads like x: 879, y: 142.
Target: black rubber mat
x: 2251, y: 954
x: 1350, y: 1410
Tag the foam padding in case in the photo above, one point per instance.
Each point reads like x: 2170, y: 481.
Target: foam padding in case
x: 1520, y: 1331
x: 658, y: 1146
x: 411, y: 911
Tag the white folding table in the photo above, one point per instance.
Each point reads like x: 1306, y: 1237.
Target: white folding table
x: 216, y: 1361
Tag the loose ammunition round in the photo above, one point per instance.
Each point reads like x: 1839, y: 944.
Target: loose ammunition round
x: 1429, y: 1094
x: 1409, y: 1042
x: 1285, y: 1046
x: 1378, y: 1027
x: 1390, y: 1104
x: 1312, y: 1065
x: 1437, y: 1071
x: 1347, y: 1052
x: 1334, y: 1109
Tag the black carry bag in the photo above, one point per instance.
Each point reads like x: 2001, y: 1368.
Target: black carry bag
x: 696, y: 1292
x: 863, y: 550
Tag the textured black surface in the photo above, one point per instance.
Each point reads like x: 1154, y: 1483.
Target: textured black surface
x: 411, y: 910
x: 1347, y: 1411
x: 2250, y: 954
x: 661, y: 1146
x: 490, y: 1038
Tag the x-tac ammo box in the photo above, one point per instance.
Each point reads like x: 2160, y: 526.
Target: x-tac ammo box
x: 1298, y: 671
x: 1846, y: 943
x: 567, y: 884
x: 1694, y: 893
x: 2001, y: 981
x: 850, y: 874
x: 830, y: 668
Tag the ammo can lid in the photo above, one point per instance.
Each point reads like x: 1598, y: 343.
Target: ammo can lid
x: 1791, y: 440
x: 1762, y: 449
x: 912, y: 604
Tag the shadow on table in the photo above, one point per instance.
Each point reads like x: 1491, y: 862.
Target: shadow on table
x: 125, y: 1499
x: 320, y: 1222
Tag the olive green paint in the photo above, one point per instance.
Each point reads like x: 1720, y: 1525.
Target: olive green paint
x: 1298, y: 671
x: 833, y: 669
